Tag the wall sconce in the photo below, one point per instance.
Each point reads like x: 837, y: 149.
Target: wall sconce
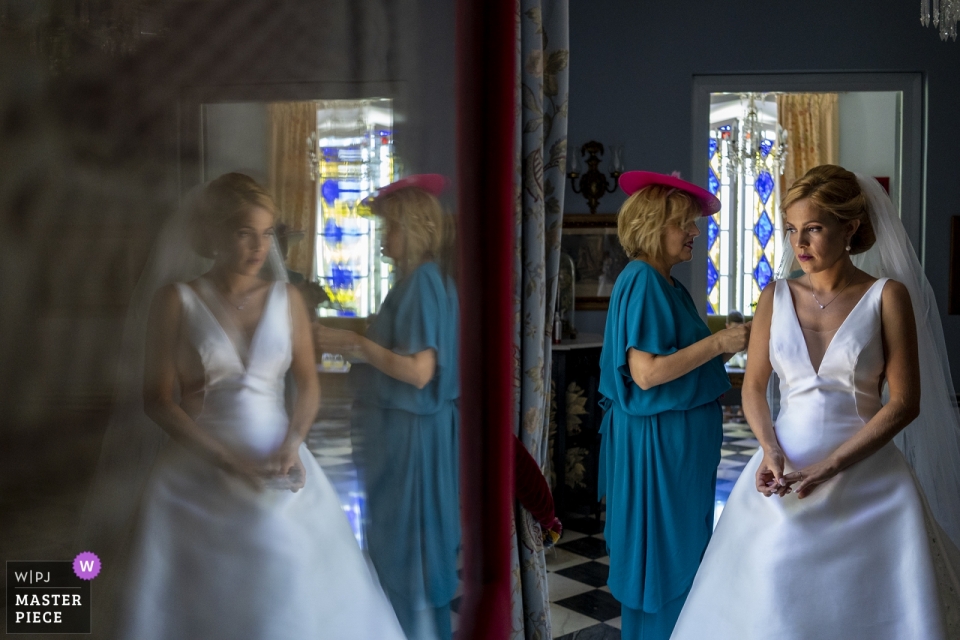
x: 594, y: 184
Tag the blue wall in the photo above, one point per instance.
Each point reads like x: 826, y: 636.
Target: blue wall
x: 631, y: 81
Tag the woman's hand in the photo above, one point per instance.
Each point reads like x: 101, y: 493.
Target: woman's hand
x: 806, y: 480
x: 335, y: 340
x: 250, y: 472
x: 286, y: 462
x: 734, y: 339
x: 770, y: 473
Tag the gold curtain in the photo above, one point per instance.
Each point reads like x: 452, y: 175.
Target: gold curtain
x: 289, y: 124
x: 813, y: 123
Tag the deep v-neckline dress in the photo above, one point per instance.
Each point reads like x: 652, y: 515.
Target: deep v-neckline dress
x: 860, y: 558
x: 215, y: 559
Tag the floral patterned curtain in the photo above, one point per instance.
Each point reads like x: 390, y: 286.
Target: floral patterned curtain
x: 541, y: 149
x: 289, y: 124
x: 813, y: 123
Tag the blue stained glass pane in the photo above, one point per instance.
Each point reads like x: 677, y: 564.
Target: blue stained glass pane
x: 764, y: 229
x: 713, y: 230
x: 333, y: 232
x: 763, y: 273
x: 764, y: 185
x: 330, y: 191
x: 712, y: 276
x: 713, y: 183
x: 710, y: 310
x: 713, y: 147
x: 342, y: 277
x: 765, y: 146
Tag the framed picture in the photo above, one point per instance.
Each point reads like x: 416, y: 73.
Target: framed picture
x: 591, y: 243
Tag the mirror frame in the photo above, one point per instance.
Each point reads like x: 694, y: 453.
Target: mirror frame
x: 912, y: 123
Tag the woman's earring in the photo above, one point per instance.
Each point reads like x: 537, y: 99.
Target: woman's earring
x: 848, y: 247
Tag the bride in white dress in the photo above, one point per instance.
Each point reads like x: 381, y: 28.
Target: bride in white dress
x: 239, y: 533
x: 827, y: 533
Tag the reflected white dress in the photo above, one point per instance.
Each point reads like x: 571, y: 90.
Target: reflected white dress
x: 214, y: 558
x: 859, y: 558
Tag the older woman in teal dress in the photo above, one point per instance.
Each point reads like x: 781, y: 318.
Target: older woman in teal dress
x: 661, y: 377
x: 406, y: 420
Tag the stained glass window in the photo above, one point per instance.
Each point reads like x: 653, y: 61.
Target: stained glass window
x: 718, y: 228
x: 743, y: 239
x: 356, y: 158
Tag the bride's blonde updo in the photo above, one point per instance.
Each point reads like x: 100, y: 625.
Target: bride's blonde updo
x: 835, y: 190
x: 219, y: 205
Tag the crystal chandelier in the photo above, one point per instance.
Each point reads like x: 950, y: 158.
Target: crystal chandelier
x: 945, y: 14
x: 747, y: 150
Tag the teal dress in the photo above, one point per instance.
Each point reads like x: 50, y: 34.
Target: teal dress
x: 659, y: 452
x: 407, y: 449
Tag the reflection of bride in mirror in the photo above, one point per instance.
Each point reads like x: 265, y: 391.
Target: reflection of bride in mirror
x: 239, y: 534
x: 406, y: 419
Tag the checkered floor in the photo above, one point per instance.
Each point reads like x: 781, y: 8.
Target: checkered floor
x: 581, y: 607
x: 329, y: 442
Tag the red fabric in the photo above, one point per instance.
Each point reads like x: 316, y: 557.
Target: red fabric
x: 486, y: 108
x: 531, y: 487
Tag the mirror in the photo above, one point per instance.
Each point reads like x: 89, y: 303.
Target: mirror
x: 866, y: 122
x: 759, y: 144
x: 379, y: 285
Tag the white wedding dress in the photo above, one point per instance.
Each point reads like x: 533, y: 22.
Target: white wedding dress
x: 861, y: 557
x: 213, y: 558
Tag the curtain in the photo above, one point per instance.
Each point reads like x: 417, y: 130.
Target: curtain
x: 288, y: 177
x: 541, y: 148
x: 813, y: 123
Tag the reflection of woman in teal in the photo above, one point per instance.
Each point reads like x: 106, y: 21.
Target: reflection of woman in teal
x: 661, y: 375
x: 406, y: 419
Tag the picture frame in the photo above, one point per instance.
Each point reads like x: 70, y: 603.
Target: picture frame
x: 592, y: 243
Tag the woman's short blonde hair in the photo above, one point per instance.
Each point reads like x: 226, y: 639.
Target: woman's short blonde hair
x: 646, y: 214
x: 219, y: 206
x: 835, y: 190
x: 420, y: 217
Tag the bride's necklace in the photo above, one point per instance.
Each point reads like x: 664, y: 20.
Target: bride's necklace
x: 243, y: 302
x: 814, y: 294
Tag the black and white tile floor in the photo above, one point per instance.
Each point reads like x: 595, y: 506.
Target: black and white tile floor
x: 581, y: 607
x: 329, y: 442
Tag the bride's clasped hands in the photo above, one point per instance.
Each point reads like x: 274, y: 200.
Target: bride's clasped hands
x: 771, y: 480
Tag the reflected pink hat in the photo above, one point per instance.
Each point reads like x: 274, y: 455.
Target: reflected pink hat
x: 432, y: 183
x: 633, y: 181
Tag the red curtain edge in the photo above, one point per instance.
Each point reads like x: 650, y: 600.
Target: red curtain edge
x: 486, y: 110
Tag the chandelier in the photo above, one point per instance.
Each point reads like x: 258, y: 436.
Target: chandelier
x: 944, y: 13
x: 747, y: 149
